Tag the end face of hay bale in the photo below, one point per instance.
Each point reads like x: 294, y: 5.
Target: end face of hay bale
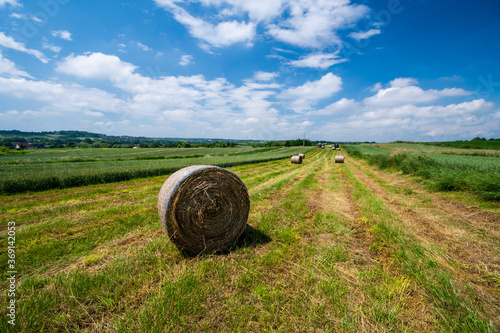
x: 339, y: 159
x: 203, y: 208
x: 302, y: 156
x: 296, y: 159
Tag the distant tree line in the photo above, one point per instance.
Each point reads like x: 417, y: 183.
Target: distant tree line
x: 82, y: 139
x: 287, y: 143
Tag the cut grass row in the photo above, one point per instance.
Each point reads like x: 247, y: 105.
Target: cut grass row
x: 455, y: 303
x: 45, y: 176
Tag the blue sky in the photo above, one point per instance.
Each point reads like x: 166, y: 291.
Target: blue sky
x: 265, y: 69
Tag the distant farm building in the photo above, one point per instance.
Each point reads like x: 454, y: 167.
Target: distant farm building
x: 24, y: 145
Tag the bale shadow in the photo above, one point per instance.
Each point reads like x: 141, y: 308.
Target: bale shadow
x: 251, y: 237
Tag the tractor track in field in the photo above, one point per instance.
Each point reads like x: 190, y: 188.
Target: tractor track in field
x: 467, y: 236
x: 337, y: 201
x: 292, y: 172
x: 272, y: 199
x: 335, y: 196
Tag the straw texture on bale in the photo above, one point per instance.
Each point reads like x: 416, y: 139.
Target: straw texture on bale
x: 339, y: 159
x: 203, y: 208
x: 296, y: 159
x: 302, y: 156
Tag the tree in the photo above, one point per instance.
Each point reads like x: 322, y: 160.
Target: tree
x: 183, y: 144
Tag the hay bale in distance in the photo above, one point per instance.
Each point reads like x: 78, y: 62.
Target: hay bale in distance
x: 302, y: 156
x: 296, y: 159
x: 203, y: 208
x: 339, y: 159
x: 338, y: 149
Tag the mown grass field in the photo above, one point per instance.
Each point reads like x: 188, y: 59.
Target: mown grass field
x: 328, y: 248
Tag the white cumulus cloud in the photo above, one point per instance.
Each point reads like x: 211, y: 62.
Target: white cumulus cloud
x: 304, y: 96
x: 264, y: 76
x: 62, y: 97
x: 96, y: 66
x: 13, y: 3
x: 263, y: 106
x: 257, y: 10
x: 343, y: 106
x: 364, y: 34
x: 315, y: 90
x: 11, y: 43
x: 63, y: 34
x: 47, y: 45
x: 318, y: 60
x: 143, y: 47
x: 305, y: 23
x: 186, y: 60
x: 217, y: 35
x: 9, y: 68
x: 404, y: 91
x: 314, y: 23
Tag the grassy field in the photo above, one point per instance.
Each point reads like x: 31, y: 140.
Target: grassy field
x: 47, y: 169
x: 328, y: 248
x: 447, y: 169
x: 485, y: 148
x: 114, y: 154
x: 474, y: 144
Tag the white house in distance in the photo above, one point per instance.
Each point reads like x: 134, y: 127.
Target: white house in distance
x: 24, y: 145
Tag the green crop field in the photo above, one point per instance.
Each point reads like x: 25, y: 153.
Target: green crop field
x: 42, y: 170
x: 474, y: 144
x: 441, y: 170
x: 485, y: 149
x: 368, y: 245
x: 115, y: 154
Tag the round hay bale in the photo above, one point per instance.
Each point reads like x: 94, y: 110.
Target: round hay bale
x: 296, y: 159
x: 338, y: 149
x: 203, y: 208
x: 302, y: 156
x: 339, y: 159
